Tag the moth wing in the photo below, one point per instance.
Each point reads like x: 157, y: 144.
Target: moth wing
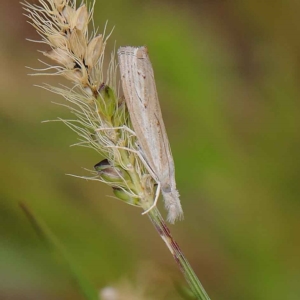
x: 141, y: 97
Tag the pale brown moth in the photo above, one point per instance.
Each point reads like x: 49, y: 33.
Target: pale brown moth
x: 140, y: 94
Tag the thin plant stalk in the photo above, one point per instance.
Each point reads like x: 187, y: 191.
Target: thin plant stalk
x: 184, y: 266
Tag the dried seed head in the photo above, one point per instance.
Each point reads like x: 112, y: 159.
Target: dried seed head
x: 78, y: 43
x: 62, y: 57
x: 65, y: 29
x: 80, y: 19
x: 58, y: 40
x: 68, y: 13
x: 94, y: 51
x: 75, y: 75
x: 101, y: 117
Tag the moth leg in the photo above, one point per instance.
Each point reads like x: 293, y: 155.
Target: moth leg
x: 156, y: 199
x: 140, y: 155
x: 117, y: 128
x: 125, y: 148
x: 153, y: 175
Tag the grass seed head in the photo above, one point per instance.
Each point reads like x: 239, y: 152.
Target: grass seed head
x: 101, y: 117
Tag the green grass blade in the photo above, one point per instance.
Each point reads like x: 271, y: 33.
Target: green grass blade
x: 43, y: 231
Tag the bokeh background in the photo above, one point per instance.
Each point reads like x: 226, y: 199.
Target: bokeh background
x: 228, y: 79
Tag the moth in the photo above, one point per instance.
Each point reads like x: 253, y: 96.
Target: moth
x: 141, y: 98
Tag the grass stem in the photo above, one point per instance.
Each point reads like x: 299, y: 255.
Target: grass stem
x: 189, y: 274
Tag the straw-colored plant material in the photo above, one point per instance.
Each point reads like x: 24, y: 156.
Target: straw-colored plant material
x: 101, y: 116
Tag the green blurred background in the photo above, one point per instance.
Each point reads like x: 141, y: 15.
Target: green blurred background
x: 228, y: 78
